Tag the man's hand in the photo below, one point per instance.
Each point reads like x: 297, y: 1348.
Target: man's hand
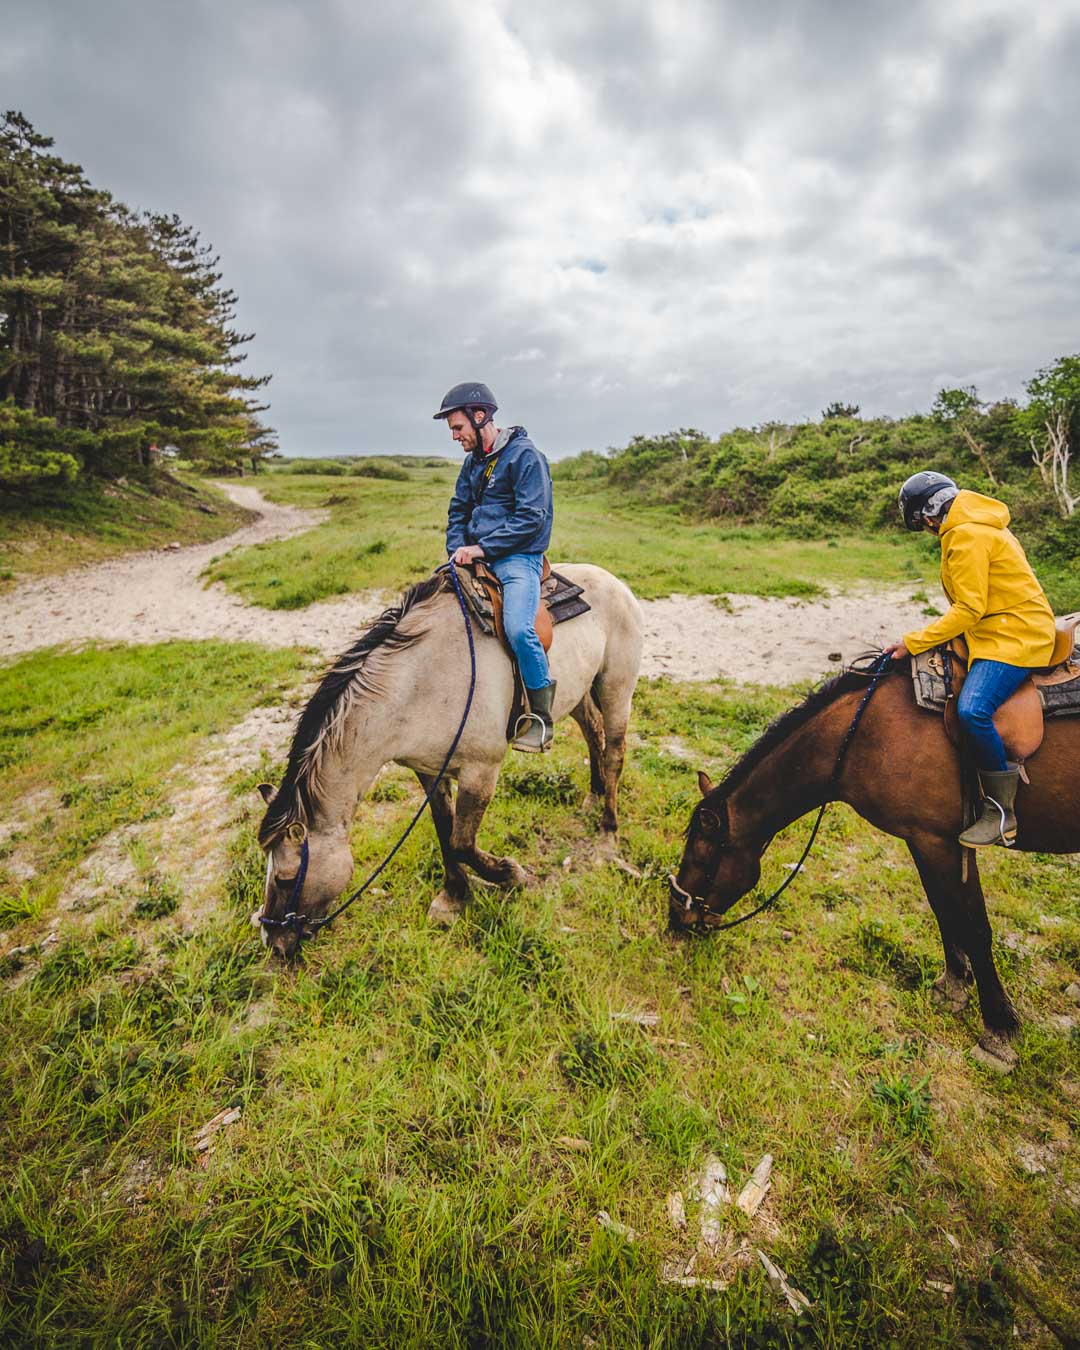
x: 467, y: 553
x: 897, y: 650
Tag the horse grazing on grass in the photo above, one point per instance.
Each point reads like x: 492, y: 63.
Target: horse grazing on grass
x: 903, y: 775
x: 398, y: 695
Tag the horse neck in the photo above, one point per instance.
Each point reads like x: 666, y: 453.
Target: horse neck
x: 793, y: 778
x: 369, y: 738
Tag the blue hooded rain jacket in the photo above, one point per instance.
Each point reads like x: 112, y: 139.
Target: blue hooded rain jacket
x: 502, y: 500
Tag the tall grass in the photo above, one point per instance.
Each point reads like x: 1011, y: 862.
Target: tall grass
x: 431, y: 1121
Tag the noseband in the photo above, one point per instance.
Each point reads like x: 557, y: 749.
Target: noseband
x: 704, y: 919
x: 294, y: 922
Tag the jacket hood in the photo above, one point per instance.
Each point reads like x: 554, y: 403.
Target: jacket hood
x: 972, y: 508
x: 502, y: 439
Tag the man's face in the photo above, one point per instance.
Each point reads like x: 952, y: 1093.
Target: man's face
x: 462, y: 429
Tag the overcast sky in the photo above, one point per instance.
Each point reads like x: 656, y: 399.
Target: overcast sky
x: 626, y: 216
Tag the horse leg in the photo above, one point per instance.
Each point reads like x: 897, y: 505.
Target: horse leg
x: 454, y: 895
x: 963, y: 902
x: 952, y: 988
x: 614, y: 700
x: 587, y: 716
x: 476, y: 787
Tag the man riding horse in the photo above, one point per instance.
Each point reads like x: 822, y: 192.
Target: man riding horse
x: 501, y: 511
x: 998, y: 606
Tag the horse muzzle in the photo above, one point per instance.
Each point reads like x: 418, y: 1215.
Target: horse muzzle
x: 686, y: 913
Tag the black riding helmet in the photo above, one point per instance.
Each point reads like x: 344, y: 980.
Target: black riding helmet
x: 466, y: 397
x: 925, y: 494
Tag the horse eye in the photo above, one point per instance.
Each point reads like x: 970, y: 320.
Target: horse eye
x: 709, y: 821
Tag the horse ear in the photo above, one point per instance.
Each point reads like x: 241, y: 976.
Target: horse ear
x: 704, y: 782
x: 267, y: 792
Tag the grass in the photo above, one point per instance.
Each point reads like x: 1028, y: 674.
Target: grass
x: 431, y: 1121
x: 51, y: 530
x: 384, y: 535
x: 88, y: 740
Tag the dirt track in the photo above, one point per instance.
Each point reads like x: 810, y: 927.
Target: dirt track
x: 158, y: 596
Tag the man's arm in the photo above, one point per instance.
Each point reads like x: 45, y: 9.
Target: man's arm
x: 532, y: 502
x: 460, y: 511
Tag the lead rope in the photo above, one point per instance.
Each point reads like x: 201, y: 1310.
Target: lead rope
x: 876, y: 670
x: 297, y: 922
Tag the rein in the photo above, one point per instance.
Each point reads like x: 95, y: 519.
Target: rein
x: 298, y: 923
x: 696, y: 906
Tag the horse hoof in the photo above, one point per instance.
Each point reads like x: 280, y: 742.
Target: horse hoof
x: 445, y: 910
x: 950, y: 991
x: 515, y: 877
x: 994, y: 1052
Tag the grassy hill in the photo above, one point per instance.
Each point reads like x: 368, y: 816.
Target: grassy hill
x: 46, y: 529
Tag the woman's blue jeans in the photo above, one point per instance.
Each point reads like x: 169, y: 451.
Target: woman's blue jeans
x: 986, y: 687
x: 520, y: 577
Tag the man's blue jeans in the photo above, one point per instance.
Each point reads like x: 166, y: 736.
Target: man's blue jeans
x: 520, y: 577
x: 986, y: 687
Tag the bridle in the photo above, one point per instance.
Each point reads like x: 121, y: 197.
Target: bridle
x: 704, y: 918
x: 300, y: 924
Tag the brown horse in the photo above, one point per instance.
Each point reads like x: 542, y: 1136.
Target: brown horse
x: 901, y: 774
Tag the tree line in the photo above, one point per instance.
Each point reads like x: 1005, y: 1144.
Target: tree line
x: 116, y: 331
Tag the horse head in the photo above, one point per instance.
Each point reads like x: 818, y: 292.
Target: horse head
x: 715, y: 870
x: 306, y: 870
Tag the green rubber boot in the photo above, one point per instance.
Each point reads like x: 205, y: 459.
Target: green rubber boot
x: 996, y: 824
x: 535, y: 729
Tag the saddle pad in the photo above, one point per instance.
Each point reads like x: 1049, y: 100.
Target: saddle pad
x: 564, y: 599
x: 1059, y: 689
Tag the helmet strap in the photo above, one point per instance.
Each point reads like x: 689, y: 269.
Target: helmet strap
x: 478, y: 426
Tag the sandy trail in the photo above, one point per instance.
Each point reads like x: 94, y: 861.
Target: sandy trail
x: 158, y: 596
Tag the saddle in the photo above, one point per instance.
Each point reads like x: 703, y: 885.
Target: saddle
x: 560, y: 599
x: 938, y: 676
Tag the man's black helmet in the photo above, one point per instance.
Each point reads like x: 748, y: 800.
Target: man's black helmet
x: 467, y: 396
x: 925, y: 494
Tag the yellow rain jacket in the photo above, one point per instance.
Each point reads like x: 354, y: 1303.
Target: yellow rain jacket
x: 996, y: 601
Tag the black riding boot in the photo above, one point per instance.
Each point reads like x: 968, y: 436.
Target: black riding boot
x: 535, y: 729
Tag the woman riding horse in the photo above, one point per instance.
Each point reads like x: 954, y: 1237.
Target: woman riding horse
x: 998, y: 606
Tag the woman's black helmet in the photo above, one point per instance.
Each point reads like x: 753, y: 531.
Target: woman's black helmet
x: 925, y: 494
x: 465, y: 396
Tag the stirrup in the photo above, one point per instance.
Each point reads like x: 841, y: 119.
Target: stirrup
x: 521, y: 729
x: 1008, y: 843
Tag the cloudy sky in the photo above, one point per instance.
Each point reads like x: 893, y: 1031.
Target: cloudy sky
x: 626, y: 216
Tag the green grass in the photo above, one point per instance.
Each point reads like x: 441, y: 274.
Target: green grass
x: 431, y: 1121
x: 389, y: 534
x: 53, y: 529
x: 89, y: 739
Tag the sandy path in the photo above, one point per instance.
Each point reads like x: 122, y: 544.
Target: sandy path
x: 158, y: 596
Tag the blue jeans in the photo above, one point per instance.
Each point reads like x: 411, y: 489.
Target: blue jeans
x: 520, y: 577
x: 987, y: 685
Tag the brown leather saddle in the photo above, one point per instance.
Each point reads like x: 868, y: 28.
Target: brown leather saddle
x: 560, y: 599
x: 1051, y: 692
x: 491, y: 586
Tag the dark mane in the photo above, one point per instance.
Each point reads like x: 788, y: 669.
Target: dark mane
x: 786, y: 724
x: 295, y: 797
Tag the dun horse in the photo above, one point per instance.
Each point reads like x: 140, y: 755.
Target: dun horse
x: 398, y: 695
x: 902, y: 775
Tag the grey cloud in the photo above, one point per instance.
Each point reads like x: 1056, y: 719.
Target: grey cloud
x: 626, y: 218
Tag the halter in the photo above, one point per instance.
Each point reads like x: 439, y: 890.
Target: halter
x: 696, y: 906
x: 299, y: 923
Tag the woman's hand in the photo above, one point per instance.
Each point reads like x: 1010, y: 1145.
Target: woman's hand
x: 897, y: 650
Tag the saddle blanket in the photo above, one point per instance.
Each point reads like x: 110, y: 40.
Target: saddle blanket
x: 1058, y: 689
x: 564, y: 600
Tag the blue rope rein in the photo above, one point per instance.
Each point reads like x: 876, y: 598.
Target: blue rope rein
x: 298, y: 922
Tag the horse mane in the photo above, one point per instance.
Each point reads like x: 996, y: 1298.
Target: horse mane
x: 321, y: 723
x: 778, y: 730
